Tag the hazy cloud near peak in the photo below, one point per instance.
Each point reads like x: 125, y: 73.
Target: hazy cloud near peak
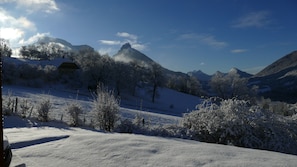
x: 127, y: 35
x: 110, y: 42
x: 125, y: 38
x: 253, y: 19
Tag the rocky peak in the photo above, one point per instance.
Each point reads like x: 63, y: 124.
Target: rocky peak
x: 126, y: 46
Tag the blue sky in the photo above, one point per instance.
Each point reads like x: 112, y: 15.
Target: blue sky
x: 207, y: 35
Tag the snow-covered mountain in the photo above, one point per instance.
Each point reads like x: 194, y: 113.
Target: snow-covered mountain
x: 278, y: 81
x: 242, y: 74
x: 63, y: 44
x: 200, y: 75
x: 281, y: 66
x: 128, y: 54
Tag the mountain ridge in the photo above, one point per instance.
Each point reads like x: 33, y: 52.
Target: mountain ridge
x: 285, y: 62
x: 278, y: 80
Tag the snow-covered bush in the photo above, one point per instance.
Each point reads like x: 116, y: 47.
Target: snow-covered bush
x: 74, y: 110
x: 238, y: 123
x: 8, y: 104
x: 139, y: 120
x: 126, y: 126
x: 43, y: 110
x: 105, y: 109
x: 137, y: 125
x: 25, y: 108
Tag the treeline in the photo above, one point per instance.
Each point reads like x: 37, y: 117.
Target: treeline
x: 96, y: 68
x: 43, y: 51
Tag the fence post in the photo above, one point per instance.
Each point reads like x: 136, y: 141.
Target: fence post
x: 16, y: 105
x: 1, y: 111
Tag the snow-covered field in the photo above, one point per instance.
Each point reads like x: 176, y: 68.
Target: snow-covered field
x: 55, y: 144
x: 63, y: 146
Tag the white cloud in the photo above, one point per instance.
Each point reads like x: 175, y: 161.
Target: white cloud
x: 48, y: 6
x: 254, y: 19
x: 25, y: 23
x: 110, y: 42
x: 239, y: 50
x: 207, y: 39
x: 7, y: 20
x: 14, y: 29
x: 211, y: 41
x: 127, y: 35
x: 11, y: 34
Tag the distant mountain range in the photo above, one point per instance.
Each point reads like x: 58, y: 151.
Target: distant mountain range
x: 205, y: 77
x: 277, y: 81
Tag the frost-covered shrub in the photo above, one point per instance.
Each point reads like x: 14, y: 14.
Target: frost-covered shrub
x: 139, y: 120
x: 126, y: 126
x: 280, y: 108
x: 238, y: 123
x: 136, y: 126
x: 43, y: 110
x: 168, y: 131
x: 25, y: 108
x: 8, y: 104
x: 105, y: 109
x: 74, y: 110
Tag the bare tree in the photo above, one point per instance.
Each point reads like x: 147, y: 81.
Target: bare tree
x: 4, y: 48
x: 137, y: 72
x: 230, y: 85
x: 106, y: 108
x: 156, y: 78
x: 121, y: 76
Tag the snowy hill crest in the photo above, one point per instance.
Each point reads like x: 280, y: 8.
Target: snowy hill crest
x: 67, y: 46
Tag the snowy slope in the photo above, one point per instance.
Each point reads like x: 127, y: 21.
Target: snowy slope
x: 55, y: 144
x: 68, y: 147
